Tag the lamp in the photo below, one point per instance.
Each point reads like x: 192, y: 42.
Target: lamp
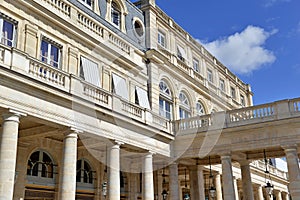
x: 164, y: 192
x: 104, y: 184
x: 212, y: 189
x: 104, y: 189
x: 269, y: 186
x: 186, y: 196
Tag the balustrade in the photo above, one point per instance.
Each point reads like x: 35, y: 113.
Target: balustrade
x: 160, y: 121
x: 2, y: 51
x: 119, y: 43
x: 89, y: 24
x: 132, y: 109
x: 248, y: 115
x: 47, y: 73
x: 253, y: 112
x: 59, y: 5
x: 97, y: 94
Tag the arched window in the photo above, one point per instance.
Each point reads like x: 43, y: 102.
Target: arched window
x: 115, y: 15
x: 40, y: 164
x: 84, y: 172
x: 200, y: 109
x: 165, y: 100
x: 184, y: 107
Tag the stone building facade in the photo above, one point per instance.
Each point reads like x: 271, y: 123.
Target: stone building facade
x: 90, y: 93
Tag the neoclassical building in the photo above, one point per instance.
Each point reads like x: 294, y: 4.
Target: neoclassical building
x: 109, y: 99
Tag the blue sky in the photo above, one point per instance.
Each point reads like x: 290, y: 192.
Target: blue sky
x: 259, y: 40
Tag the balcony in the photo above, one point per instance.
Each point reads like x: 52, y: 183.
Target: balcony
x: 245, y: 116
x: 45, y: 77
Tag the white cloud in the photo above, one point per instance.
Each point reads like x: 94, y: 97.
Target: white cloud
x: 272, y: 2
x: 243, y: 52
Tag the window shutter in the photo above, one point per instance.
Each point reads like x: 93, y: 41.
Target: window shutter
x: 91, y: 71
x: 143, y: 97
x: 120, y: 86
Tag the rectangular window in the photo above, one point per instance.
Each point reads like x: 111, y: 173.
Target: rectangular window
x: 161, y: 39
x: 243, y: 101
x: 233, y: 93
x: 89, y: 71
x: 181, y: 53
x: 196, y: 65
x: 119, y: 86
x: 142, y: 97
x: 50, y: 53
x: 8, y: 31
x: 88, y: 3
x: 222, y: 85
x: 165, y: 108
x: 210, y: 76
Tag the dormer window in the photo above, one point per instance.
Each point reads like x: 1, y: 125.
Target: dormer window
x: 115, y: 15
x: 88, y: 3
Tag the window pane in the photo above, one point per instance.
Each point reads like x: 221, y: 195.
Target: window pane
x: 8, y: 31
x: 54, y: 56
x: 89, y: 2
x: 44, y: 51
x: 35, y: 169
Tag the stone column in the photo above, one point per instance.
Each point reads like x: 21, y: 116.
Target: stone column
x: 236, y: 189
x: 197, y: 183
x: 174, y: 185
x: 148, y: 185
x: 8, y: 154
x: 278, y: 195
x: 67, y: 183
x: 286, y: 196
x: 114, y: 190
x: 218, y: 185
x: 180, y: 191
x: 293, y: 171
x: 260, y: 193
x: 133, y: 182
x: 246, y: 180
x: 228, y: 188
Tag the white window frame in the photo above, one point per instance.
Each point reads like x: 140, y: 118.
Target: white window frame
x: 84, y: 2
x: 233, y: 92
x: 181, y: 53
x: 222, y: 85
x: 210, y: 75
x: 49, y: 60
x: 165, y: 98
x: 162, y: 108
x: 196, y: 65
x: 243, y: 100
x: 116, y: 10
x: 161, y: 38
x: 200, y: 108
x: 14, y: 31
x: 184, y: 107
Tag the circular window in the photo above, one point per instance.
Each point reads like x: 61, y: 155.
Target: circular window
x: 138, y: 28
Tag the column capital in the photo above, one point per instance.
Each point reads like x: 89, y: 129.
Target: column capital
x: 71, y: 133
x: 244, y: 162
x: 290, y: 147
x: 226, y: 155
x: 12, y: 115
